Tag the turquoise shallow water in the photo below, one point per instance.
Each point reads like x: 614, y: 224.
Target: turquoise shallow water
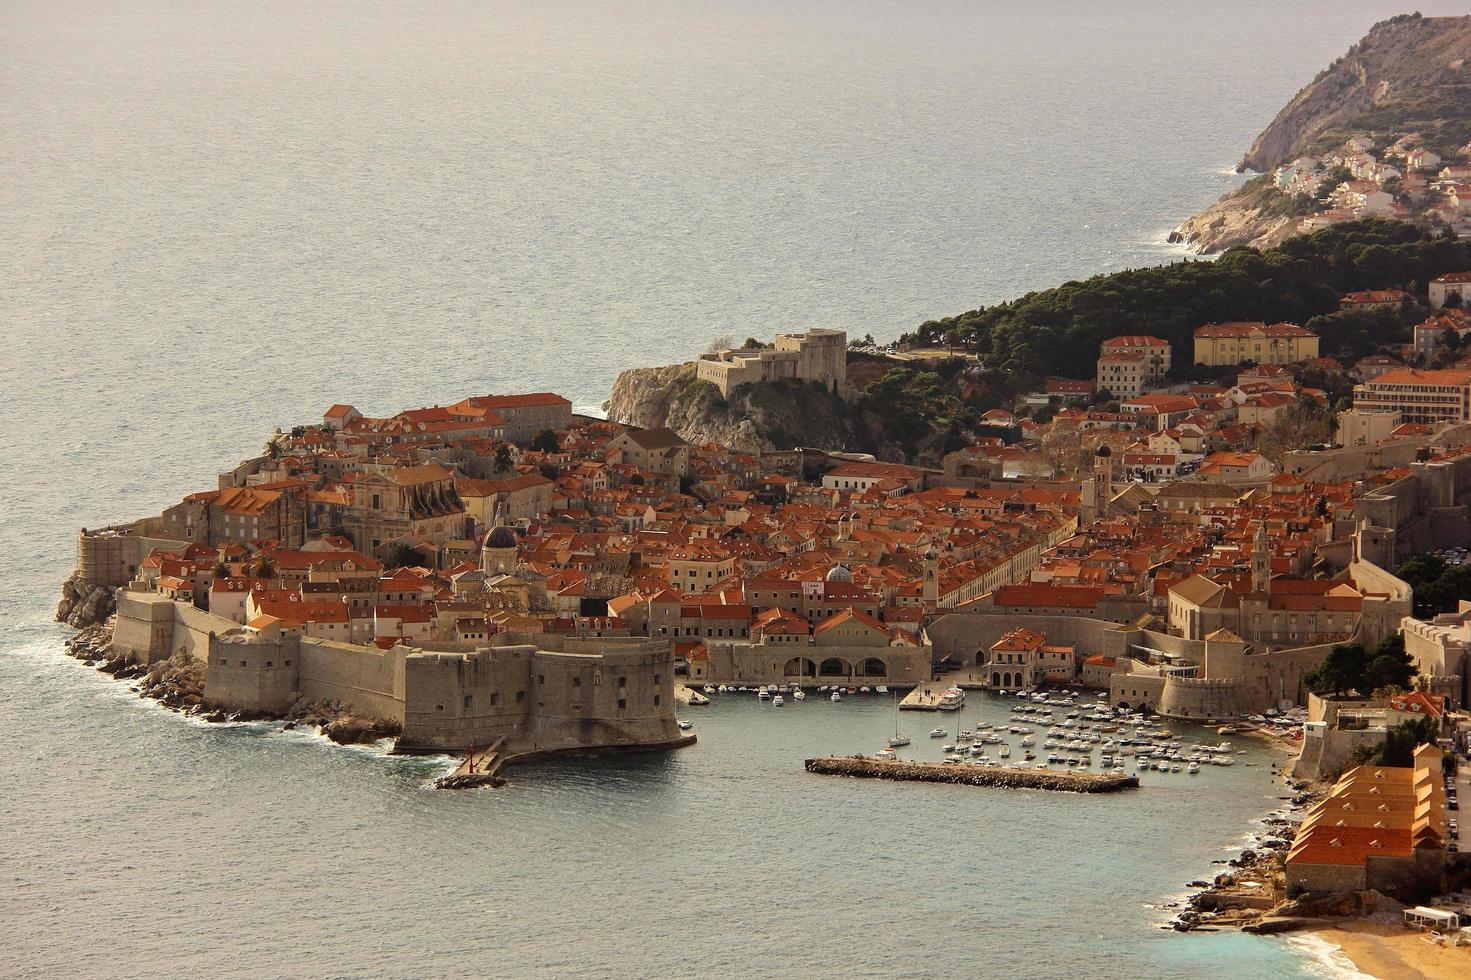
x: 222, y: 217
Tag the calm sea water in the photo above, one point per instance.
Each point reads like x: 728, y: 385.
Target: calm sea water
x: 221, y: 217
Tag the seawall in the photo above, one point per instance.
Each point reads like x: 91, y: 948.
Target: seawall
x: 931, y: 772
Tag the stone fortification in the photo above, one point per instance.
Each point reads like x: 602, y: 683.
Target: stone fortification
x: 1171, y: 675
x: 543, y: 694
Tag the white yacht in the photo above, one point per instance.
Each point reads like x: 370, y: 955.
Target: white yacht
x: 939, y: 732
x: 799, y: 695
x: 837, y: 696
x: 685, y: 724
x: 778, y: 701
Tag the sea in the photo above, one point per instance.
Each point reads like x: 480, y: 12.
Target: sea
x: 222, y: 217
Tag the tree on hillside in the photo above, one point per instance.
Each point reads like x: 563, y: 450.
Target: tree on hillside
x: 546, y: 442
x: 503, y: 460
x: 1057, y: 331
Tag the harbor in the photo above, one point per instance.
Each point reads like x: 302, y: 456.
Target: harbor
x: 1059, y: 731
x: 862, y: 767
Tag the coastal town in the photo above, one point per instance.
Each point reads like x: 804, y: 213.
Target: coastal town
x: 1402, y: 178
x: 502, y: 578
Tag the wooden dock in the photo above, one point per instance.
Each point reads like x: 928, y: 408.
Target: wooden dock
x: 863, y: 767
x: 481, y: 768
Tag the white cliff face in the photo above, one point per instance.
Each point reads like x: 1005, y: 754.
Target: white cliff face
x: 1235, y: 220
x: 666, y: 396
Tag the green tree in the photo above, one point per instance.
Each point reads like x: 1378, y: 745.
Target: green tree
x: 546, y: 442
x: 503, y: 460
x: 402, y: 556
x: 1339, y: 672
x: 1388, y: 666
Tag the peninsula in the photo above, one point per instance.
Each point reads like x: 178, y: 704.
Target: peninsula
x: 1383, y: 131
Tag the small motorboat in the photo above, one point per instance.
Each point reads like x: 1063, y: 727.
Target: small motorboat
x: 887, y: 755
x: 1193, y: 768
x: 709, y: 689
x: 863, y: 690
x: 837, y: 696
x: 939, y: 732
x: 948, y: 749
x: 881, y: 689
x: 1004, y: 752
x: 764, y: 694
x: 778, y: 701
x: 685, y: 724
x: 898, y: 740
x: 799, y: 695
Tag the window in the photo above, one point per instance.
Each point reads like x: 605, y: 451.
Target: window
x: 495, y: 698
x: 622, y: 703
x: 541, y: 678
x: 288, y: 663
x: 520, y: 697
x: 656, y: 700
x: 270, y: 663
x: 657, y: 678
x: 577, y: 682
x: 623, y: 682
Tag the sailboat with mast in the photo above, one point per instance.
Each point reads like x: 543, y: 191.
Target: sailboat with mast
x: 898, y: 739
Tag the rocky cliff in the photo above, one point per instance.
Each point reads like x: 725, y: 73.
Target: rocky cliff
x: 1236, y: 219
x: 1408, y: 74
x: 756, y: 418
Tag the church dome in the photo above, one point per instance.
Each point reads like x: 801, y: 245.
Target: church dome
x: 839, y: 573
x: 1103, y: 451
x: 500, y: 536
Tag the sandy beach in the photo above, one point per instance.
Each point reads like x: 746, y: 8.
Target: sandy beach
x: 1391, y: 952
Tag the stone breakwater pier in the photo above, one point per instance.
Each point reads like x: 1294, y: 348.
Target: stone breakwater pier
x: 862, y: 767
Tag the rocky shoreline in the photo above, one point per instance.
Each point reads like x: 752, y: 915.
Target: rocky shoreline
x: 178, y: 684
x: 1248, y: 891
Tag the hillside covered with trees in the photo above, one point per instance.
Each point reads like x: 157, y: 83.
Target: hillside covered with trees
x: 1057, y: 331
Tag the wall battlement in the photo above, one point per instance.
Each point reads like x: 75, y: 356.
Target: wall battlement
x: 582, y: 694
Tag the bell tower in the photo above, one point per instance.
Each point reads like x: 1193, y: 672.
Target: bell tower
x: 1261, y: 561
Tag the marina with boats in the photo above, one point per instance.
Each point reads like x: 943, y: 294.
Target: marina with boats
x: 1055, y: 731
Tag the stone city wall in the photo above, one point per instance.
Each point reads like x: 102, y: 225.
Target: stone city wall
x: 556, y: 694
x: 746, y: 664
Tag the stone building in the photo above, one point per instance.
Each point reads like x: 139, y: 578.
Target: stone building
x: 1453, y: 287
x: 819, y: 356
x: 1417, y: 395
x: 544, y: 694
x: 525, y: 416
x: 410, y: 501
x: 1129, y: 364
x: 1380, y: 827
x: 1226, y: 344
